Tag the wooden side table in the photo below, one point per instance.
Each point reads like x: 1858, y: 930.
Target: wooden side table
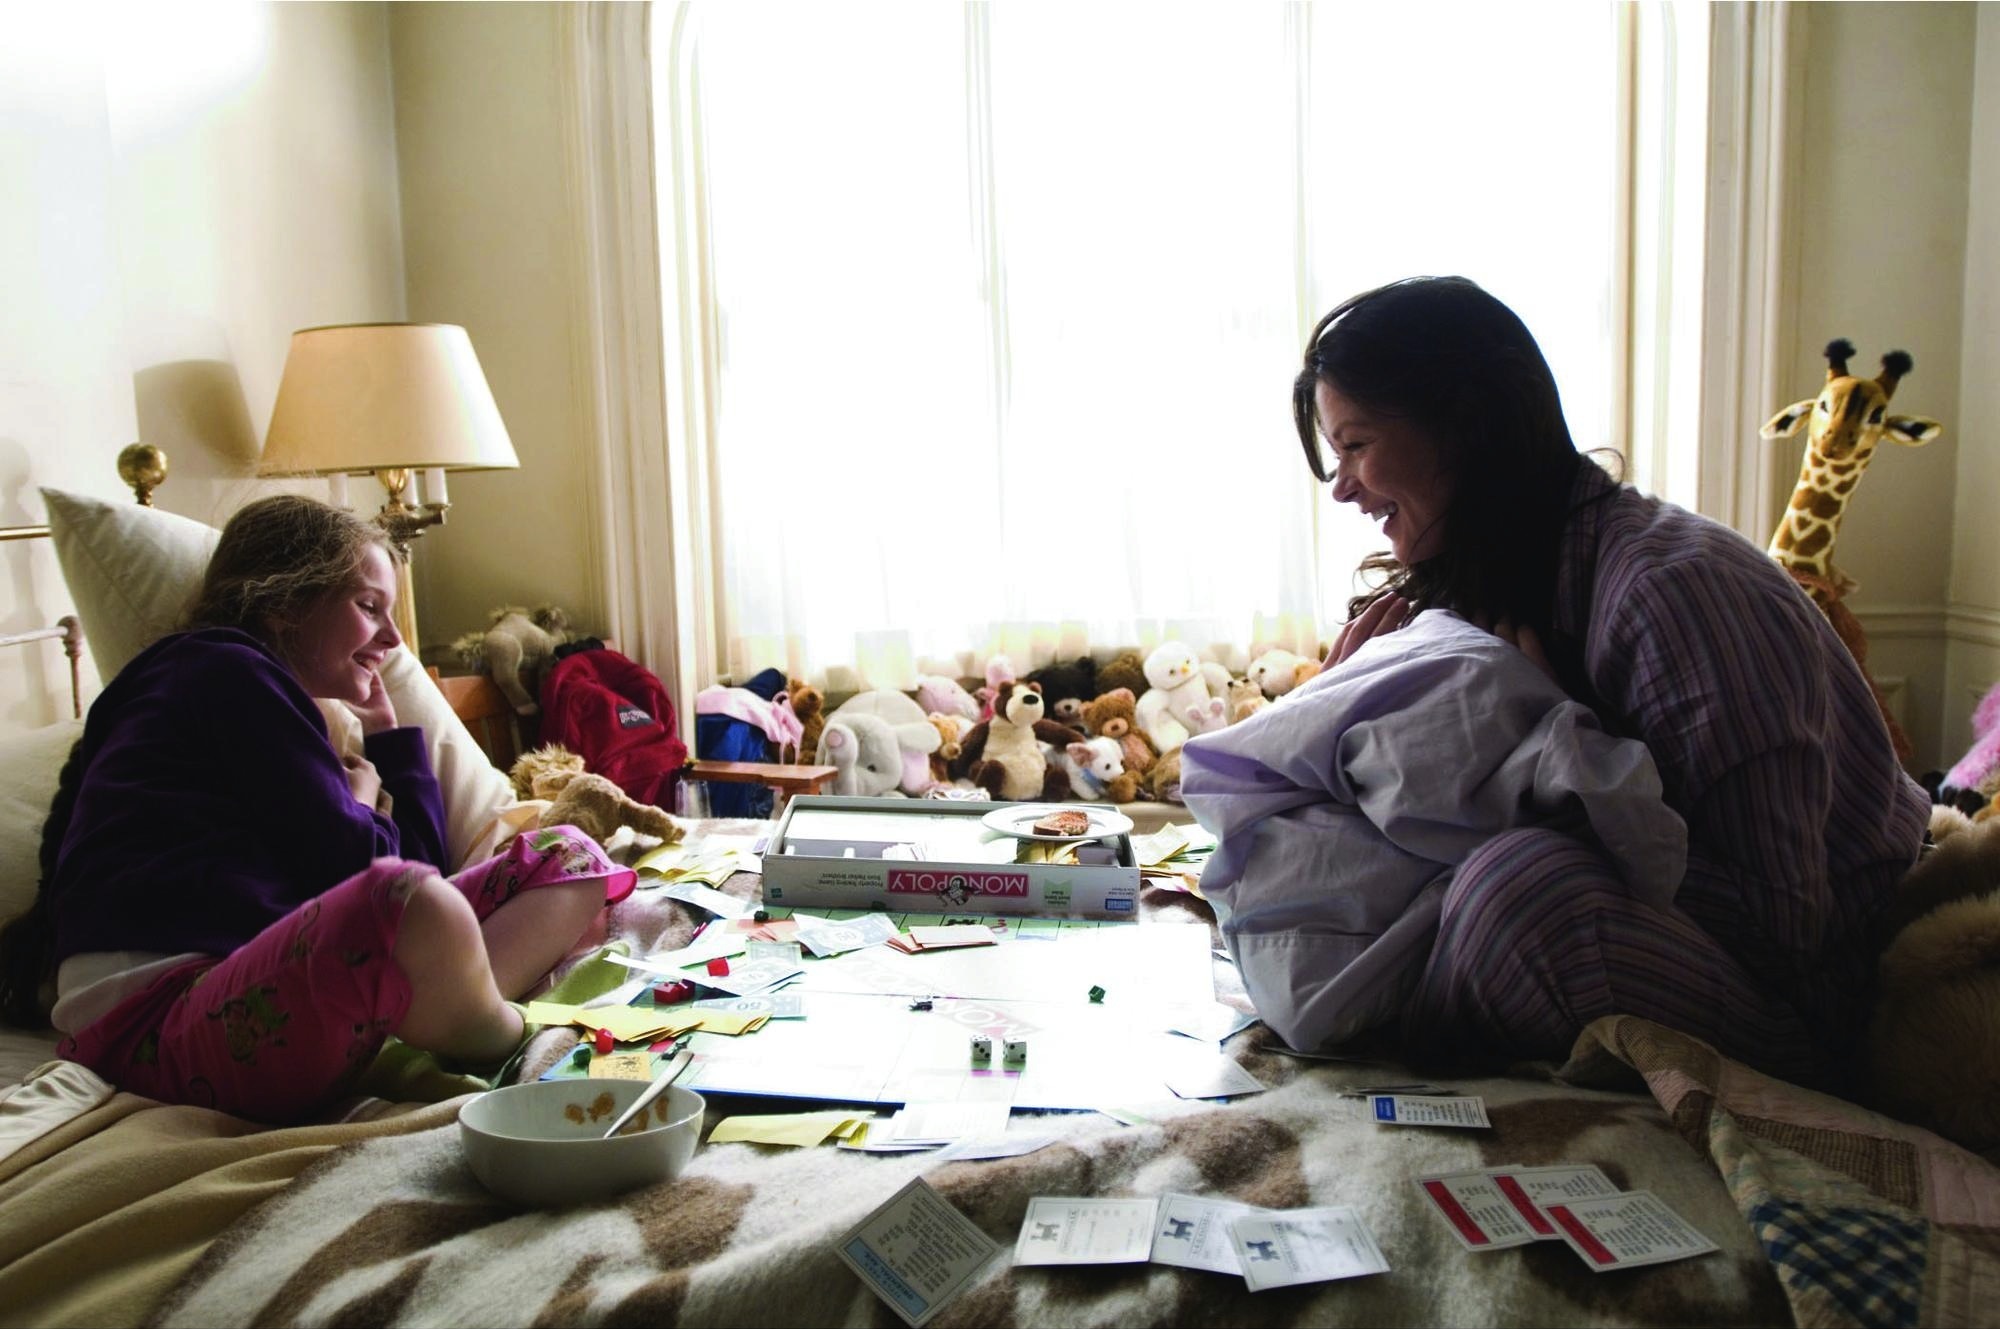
x: 783, y: 780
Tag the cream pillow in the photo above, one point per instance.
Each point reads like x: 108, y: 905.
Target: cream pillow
x: 131, y: 572
x: 29, y: 765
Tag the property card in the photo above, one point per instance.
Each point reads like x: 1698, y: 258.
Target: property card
x: 943, y: 1123
x: 1619, y: 1231
x: 1529, y: 1188
x: 830, y: 938
x: 1211, y: 1076
x: 1304, y: 1246
x: 952, y: 934
x: 1479, y: 1212
x: 1067, y: 1230
x: 1427, y: 1110
x: 1193, y: 1232
x: 1005, y: 1146
x: 1213, y: 1023
x: 916, y: 1251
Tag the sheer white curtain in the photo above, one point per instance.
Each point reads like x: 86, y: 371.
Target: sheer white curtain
x: 998, y: 307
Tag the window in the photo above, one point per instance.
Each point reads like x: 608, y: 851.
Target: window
x: 987, y: 316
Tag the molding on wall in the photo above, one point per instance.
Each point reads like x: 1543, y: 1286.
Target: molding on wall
x: 1954, y: 622
x: 1973, y: 623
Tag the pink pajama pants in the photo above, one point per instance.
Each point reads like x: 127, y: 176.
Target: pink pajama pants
x: 290, y: 1018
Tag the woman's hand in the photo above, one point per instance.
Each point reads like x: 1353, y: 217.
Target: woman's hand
x: 378, y: 712
x: 1523, y: 639
x: 364, y: 782
x: 1382, y: 616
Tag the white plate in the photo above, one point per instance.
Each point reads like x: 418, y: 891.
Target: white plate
x: 1019, y: 821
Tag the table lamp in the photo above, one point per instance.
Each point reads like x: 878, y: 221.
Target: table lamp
x: 393, y: 399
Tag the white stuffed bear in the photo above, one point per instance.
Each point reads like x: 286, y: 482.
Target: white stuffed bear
x: 1276, y: 671
x: 1178, y: 702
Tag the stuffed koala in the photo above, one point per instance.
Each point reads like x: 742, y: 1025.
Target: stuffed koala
x: 1114, y: 714
x: 591, y: 803
x: 516, y: 651
x: 1178, y: 703
x: 1004, y: 755
x: 1934, y: 1042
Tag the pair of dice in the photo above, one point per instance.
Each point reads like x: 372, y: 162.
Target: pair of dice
x: 1014, y: 1051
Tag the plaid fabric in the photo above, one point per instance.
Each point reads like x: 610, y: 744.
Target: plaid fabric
x: 1868, y: 1261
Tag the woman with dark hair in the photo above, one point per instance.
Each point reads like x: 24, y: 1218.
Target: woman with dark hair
x: 1428, y: 405
x: 235, y: 916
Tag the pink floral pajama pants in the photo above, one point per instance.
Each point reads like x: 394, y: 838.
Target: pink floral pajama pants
x: 290, y: 1018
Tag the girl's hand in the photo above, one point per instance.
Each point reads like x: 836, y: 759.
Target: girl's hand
x: 378, y: 712
x: 1383, y: 616
x: 1523, y: 639
x: 364, y: 782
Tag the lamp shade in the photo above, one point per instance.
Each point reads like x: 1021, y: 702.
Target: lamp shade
x: 382, y: 396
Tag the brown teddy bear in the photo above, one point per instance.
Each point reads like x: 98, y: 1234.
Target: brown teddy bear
x: 809, y: 704
x: 1934, y: 1042
x: 1163, y: 782
x: 1126, y: 670
x: 1115, y: 714
x: 591, y: 803
x: 949, y: 729
x: 1246, y: 698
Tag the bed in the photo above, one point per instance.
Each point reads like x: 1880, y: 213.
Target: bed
x: 118, y: 1210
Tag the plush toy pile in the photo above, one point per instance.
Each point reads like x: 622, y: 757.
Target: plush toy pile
x: 517, y: 650
x: 1108, y: 732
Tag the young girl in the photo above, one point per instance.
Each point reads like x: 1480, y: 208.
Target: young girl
x: 234, y: 916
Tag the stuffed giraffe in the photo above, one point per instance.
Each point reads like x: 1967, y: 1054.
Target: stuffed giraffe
x: 1848, y: 418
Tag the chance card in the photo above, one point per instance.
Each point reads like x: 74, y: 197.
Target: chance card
x: 1065, y: 1230
x: 1619, y: 1231
x: 1305, y: 1246
x: 917, y: 1251
x: 1425, y: 1110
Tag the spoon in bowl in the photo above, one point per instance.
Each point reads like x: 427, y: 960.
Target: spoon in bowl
x: 677, y: 1060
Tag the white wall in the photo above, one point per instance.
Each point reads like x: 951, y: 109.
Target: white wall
x: 184, y: 186
x: 1882, y: 260
x: 1972, y: 661
x: 491, y: 240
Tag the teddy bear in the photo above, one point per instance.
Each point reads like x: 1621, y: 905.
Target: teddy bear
x: 1003, y: 755
x: 1933, y: 1054
x: 1114, y: 714
x: 1246, y: 698
x: 1278, y: 671
x: 1124, y: 670
x: 1096, y: 771
x: 516, y: 651
x: 1162, y: 783
x: 809, y: 704
x: 1065, y: 688
x: 1177, y: 703
x: 952, y: 730
x: 591, y: 803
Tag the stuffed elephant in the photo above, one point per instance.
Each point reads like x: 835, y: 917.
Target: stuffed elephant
x: 864, y: 750
x: 914, y: 734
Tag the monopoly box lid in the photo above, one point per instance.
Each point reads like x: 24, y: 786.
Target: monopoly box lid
x: 949, y: 855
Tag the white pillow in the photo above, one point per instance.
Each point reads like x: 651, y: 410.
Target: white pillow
x: 131, y: 572
x: 29, y: 765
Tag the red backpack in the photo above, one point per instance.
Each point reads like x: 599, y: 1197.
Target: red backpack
x: 616, y: 715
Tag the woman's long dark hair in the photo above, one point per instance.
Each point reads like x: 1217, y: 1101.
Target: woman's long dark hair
x: 277, y: 559
x: 1461, y: 367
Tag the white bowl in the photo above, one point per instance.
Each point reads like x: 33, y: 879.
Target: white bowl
x: 542, y: 1143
